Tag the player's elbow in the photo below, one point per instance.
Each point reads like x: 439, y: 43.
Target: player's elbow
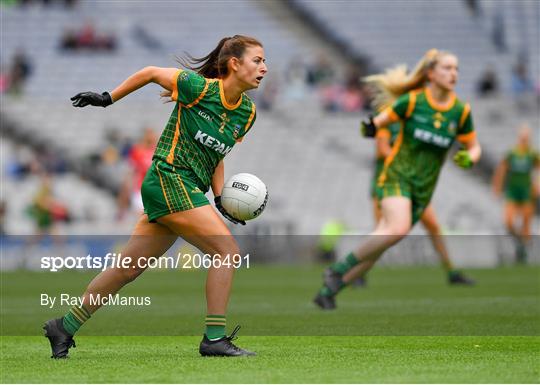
x: 149, y: 73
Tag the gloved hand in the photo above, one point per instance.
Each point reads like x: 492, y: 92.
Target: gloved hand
x: 463, y: 159
x: 367, y: 128
x: 82, y: 99
x: 221, y: 209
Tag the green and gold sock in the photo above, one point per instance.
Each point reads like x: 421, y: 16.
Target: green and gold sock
x: 453, y: 273
x: 74, y: 319
x: 346, y: 264
x: 215, y: 326
x: 326, y: 292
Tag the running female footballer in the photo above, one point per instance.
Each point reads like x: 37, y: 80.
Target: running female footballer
x: 432, y: 118
x: 385, y: 138
x: 210, y: 115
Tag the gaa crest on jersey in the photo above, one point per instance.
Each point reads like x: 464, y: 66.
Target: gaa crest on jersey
x: 184, y: 75
x: 236, y: 131
x: 438, y: 118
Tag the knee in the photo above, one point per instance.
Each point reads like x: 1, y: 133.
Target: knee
x: 396, y: 232
x: 228, y: 247
x: 397, y: 236
x: 229, y: 251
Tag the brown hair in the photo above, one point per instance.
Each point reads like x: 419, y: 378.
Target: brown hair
x: 396, y: 81
x: 214, y: 65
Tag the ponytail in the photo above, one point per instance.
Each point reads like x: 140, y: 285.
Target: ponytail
x: 394, y: 82
x: 214, y: 65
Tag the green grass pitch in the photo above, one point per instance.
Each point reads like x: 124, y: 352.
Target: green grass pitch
x: 407, y: 326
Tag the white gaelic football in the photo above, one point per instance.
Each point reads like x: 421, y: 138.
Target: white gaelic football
x: 244, y: 196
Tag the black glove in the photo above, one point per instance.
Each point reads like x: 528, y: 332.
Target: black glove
x: 221, y: 209
x: 82, y: 99
x: 367, y: 128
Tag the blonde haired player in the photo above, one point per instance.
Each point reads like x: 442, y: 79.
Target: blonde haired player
x: 385, y: 138
x: 431, y: 118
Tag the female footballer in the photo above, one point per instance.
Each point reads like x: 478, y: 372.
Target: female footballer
x: 210, y: 115
x: 385, y: 138
x: 515, y: 175
x: 431, y: 119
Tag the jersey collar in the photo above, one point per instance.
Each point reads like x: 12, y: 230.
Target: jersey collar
x: 224, y: 100
x: 440, y: 107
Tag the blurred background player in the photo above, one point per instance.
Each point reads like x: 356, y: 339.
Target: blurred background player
x: 188, y: 161
x: 515, y: 175
x: 432, y: 118
x: 331, y: 233
x: 140, y: 159
x: 45, y: 210
x: 385, y: 139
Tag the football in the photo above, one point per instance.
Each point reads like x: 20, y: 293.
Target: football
x: 244, y: 196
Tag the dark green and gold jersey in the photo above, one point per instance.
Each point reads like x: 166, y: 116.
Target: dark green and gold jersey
x: 520, y: 168
x: 203, y: 127
x: 427, y: 131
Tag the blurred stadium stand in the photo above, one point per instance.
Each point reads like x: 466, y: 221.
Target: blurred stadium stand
x: 365, y: 29
x: 315, y: 164
x: 378, y: 30
x: 89, y: 207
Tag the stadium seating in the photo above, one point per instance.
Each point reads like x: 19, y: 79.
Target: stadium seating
x: 91, y: 208
x: 379, y: 30
x: 58, y: 75
x: 315, y: 164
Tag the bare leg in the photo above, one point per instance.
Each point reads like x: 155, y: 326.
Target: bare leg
x: 395, y: 223
x: 203, y: 228
x: 527, y: 212
x: 510, y: 212
x: 359, y: 270
x: 429, y: 220
x: 363, y: 267
x: 200, y: 226
x: 148, y: 240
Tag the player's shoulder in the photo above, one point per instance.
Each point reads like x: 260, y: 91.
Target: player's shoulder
x: 247, y: 103
x: 411, y: 96
x: 186, y: 76
x: 247, y: 100
x: 461, y: 103
x: 416, y: 92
